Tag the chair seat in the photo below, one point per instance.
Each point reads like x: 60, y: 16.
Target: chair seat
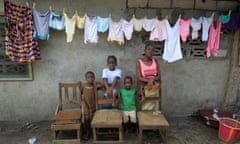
x: 67, y: 116
x: 151, y: 119
x: 107, y: 118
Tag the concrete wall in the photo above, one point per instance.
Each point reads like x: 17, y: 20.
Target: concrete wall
x: 188, y: 85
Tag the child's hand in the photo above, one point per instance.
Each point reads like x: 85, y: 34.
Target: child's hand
x: 143, y: 98
x: 150, y: 83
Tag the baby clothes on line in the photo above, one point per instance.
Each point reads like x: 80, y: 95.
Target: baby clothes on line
x: 90, y: 31
x: 184, y: 29
x: 20, y: 45
x: 127, y: 27
x: 206, y: 22
x: 233, y: 23
x: 41, y: 25
x: 214, y: 39
x: 81, y: 21
x: 102, y: 24
x: 115, y: 32
x: 137, y: 23
x: 70, y: 26
x: 159, y: 33
x: 224, y: 18
x: 56, y: 21
x: 149, y: 24
x: 196, y: 26
x: 172, y: 49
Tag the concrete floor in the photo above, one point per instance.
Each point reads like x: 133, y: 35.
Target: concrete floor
x: 183, y: 130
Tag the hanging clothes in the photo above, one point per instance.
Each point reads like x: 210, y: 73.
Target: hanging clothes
x: 115, y: 32
x: 81, y: 21
x: 149, y: 24
x: 137, y: 23
x: 41, y: 25
x: 172, y: 49
x: 206, y: 22
x: 20, y: 45
x: 127, y: 27
x: 184, y: 29
x: 70, y: 26
x: 233, y: 23
x: 90, y: 31
x: 159, y: 33
x: 56, y: 21
x: 103, y: 24
x: 196, y: 26
x: 225, y: 18
x: 214, y: 39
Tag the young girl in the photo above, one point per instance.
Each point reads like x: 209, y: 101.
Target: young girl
x: 111, y: 77
x: 88, y: 101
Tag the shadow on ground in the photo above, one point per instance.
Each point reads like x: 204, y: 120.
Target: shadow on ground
x: 183, y: 130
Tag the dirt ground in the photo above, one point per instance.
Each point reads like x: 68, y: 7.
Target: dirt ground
x: 183, y: 130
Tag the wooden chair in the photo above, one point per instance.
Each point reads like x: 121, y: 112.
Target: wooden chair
x: 68, y: 112
x: 104, y: 120
x: 152, y: 119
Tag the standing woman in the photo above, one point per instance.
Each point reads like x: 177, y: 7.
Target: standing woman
x: 149, y: 76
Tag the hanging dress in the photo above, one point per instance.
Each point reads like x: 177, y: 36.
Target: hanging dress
x: 184, y: 29
x: 102, y: 24
x: 81, y: 21
x: 159, y: 33
x: 70, y: 26
x: 214, y: 39
x: 206, y: 22
x: 56, y: 21
x: 41, y: 25
x: 20, y: 45
x: 127, y: 27
x: 115, y: 32
x: 172, y: 49
x: 90, y: 31
x: 137, y: 23
x: 196, y: 25
x: 149, y: 24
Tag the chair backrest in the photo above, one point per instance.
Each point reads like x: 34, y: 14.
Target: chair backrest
x: 100, y: 100
x: 153, y: 93
x: 69, y: 94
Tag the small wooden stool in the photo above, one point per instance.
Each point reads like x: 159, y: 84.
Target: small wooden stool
x: 147, y: 120
x: 107, y: 119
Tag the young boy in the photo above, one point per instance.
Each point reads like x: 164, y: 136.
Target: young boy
x: 127, y: 104
x: 111, y: 77
x: 88, y: 102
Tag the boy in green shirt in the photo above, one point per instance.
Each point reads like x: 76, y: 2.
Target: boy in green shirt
x: 127, y: 96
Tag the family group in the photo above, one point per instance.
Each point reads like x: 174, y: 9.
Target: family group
x: 123, y: 98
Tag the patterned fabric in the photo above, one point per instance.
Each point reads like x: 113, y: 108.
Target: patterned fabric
x: 20, y: 46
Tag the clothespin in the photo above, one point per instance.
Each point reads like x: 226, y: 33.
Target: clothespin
x: 34, y: 4
x: 229, y: 13
x: 27, y: 4
x: 64, y: 11
x: 180, y: 16
x: 50, y: 8
x: 76, y: 12
x: 213, y: 14
x: 166, y: 17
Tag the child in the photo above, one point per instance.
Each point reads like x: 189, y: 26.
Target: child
x: 88, y: 101
x: 127, y: 103
x: 111, y: 77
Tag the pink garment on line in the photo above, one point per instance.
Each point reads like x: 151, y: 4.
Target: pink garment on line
x: 184, y: 29
x: 214, y: 39
x: 159, y: 33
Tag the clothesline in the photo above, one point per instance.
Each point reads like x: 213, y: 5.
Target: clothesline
x: 119, y: 31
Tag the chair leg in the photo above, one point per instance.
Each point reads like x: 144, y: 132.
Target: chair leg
x: 140, y: 136
x: 78, y: 134
x: 94, y: 134
x: 54, y: 135
x: 120, y: 134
